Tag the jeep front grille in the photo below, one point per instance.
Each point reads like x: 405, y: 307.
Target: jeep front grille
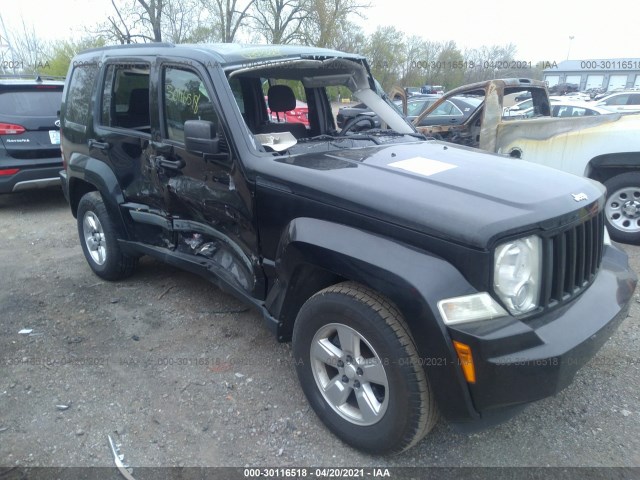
x: 572, y: 259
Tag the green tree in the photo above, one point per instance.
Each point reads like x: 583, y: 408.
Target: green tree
x: 419, y: 59
x: 385, y: 50
x: 63, y: 52
x: 325, y: 20
x: 449, y: 70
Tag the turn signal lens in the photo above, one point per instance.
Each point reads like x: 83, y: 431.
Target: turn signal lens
x: 466, y: 361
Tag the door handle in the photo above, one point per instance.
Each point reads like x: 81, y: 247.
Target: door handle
x: 99, y: 145
x: 171, y: 164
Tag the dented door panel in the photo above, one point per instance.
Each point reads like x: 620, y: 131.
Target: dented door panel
x: 208, y: 199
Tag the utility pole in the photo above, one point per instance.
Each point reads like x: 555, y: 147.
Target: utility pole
x: 571, y: 37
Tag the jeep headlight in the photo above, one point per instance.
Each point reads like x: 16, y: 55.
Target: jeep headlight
x: 517, y: 273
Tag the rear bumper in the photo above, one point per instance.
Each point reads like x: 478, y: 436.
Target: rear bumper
x: 518, y: 362
x: 30, y: 178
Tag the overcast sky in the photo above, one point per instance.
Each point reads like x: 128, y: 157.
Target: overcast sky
x: 540, y: 30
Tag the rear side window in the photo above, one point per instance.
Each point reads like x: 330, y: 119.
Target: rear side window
x: 79, y: 96
x: 125, y: 98
x: 31, y: 103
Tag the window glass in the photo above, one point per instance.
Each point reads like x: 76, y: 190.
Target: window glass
x: 125, y: 97
x: 415, y: 108
x: 236, y: 88
x: 79, y: 96
x: 31, y: 103
x: 618, y: 100
x: 185, y: 98
x: 447, y: 108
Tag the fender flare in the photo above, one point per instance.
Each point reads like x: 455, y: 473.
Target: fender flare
x: 83, y: 169
x: 413, y: 279
x: 621, y: 160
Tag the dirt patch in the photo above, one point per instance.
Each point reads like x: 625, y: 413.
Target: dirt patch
x: 182, y: 374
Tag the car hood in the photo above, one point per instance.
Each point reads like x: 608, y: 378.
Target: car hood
x: 437, y: 188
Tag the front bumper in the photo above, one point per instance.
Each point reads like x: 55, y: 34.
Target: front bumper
x: 517, y: 362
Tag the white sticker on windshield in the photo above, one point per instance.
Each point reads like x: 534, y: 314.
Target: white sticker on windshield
x: 422, y: 166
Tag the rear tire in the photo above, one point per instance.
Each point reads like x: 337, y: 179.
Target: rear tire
x: 99, y: 240
x: 360, y: 370
x: 622, y: 209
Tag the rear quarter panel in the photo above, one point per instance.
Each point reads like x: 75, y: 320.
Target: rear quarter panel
x: 569, y: 144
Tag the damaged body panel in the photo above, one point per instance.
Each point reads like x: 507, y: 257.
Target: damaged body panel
x: 365, y: 248
x: 602, y: 147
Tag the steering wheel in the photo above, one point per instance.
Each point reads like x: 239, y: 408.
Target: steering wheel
x: 354, y: 121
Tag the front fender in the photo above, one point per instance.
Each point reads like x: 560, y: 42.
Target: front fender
x: 413, y: 279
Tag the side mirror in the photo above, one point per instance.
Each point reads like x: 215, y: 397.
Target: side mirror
x: 200, y: 137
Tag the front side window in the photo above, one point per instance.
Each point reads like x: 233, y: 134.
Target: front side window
x: 618, y: 100
x: 185, y: 97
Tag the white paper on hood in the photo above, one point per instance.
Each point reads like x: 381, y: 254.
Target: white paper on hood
x: 422, y: 166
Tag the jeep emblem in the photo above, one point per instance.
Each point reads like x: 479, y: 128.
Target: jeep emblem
x: 578, y: 197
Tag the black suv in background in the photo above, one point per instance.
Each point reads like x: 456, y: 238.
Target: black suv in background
x: 412, y: 276
x: 29, y: 132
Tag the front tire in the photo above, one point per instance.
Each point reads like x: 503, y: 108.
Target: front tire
x: 622, y: 209
x: 99, y: 240
x: 360, y: 370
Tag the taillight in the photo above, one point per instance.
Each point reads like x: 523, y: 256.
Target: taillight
x: 9, y: 171
x: 11, y: 129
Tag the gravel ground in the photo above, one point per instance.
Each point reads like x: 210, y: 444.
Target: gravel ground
x: 183, y: 375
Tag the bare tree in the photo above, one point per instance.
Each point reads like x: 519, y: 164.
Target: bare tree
x: 127, y: 24
x: 492, y: 61
x: 182, y: 22
x: 135, y: 21
x: 227, y: 16
x: 153, y: 9
x: 24, y: 50
x: 279, y: 21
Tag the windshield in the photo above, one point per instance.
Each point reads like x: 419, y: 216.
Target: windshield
x: 301, y: 105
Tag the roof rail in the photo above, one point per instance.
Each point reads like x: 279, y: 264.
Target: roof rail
x: 128, y: 46
x: 31, y: 76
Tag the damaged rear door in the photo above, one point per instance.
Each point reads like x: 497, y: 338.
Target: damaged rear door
x: 207, y: 198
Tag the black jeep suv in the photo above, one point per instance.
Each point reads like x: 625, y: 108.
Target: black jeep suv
x: 29, y: 132
x: 412, y: 276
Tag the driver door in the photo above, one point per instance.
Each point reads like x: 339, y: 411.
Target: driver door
x: 206, y: 195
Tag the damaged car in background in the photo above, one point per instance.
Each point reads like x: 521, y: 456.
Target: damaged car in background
x: 603, y: 147
x: 365, y: 249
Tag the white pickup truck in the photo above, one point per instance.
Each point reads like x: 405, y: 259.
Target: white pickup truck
x: 602, y: 147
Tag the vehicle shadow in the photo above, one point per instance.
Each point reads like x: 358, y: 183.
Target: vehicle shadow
x: 34, y: 200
